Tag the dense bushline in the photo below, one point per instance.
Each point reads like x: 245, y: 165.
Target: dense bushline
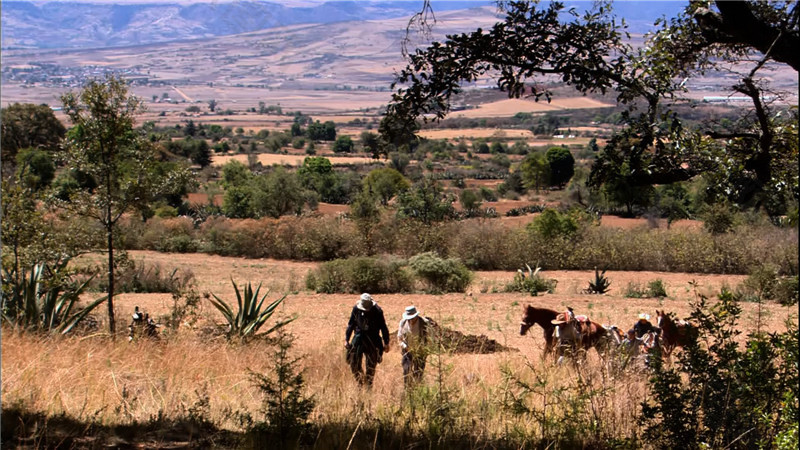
x: 480, y: 244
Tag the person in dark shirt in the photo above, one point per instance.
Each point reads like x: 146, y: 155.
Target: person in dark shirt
x: 370, y: 338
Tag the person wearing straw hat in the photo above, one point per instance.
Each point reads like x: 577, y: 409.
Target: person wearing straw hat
x: 366, y: 325
x: 412, y: 334
x: 644, y: 326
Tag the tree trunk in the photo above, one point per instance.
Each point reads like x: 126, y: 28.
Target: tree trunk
x: 110, y: 230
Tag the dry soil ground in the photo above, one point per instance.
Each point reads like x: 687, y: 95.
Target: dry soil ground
x: 484, y: 309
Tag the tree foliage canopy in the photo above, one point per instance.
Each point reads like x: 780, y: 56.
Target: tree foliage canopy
x: 24, y: 125
x: 536, y: 42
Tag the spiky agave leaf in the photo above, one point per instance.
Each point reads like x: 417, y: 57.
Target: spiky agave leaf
x: 249, y: 317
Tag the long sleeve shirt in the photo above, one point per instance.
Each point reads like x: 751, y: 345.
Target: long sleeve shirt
x: 411, y: 333
x: 370, y: 325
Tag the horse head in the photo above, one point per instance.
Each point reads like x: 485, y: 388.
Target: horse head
x: 527, y: 320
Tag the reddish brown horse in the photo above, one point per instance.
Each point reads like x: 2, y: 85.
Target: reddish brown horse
x: 674, y: 334
x: 575, y: 333
x: 543, y: 317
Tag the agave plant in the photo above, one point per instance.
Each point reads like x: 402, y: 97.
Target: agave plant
x: 531, y: 282
x: 250, y: 315
x: 600, y: 284
x: 36, y: 304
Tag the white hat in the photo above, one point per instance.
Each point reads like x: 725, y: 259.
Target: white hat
x: 644, y: 316
x: 410, y: 313
x: 365, y: 302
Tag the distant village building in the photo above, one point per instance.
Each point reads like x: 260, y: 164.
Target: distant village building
x: 728, y: 99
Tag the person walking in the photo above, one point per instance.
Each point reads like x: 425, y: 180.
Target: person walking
x: 370, y: 334
x: 412, y: 334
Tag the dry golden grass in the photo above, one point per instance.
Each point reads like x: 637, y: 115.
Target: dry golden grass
x: 95, y: 378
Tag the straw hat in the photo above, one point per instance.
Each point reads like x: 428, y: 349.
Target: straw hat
x: 561, y: 318
x: 365, y: 303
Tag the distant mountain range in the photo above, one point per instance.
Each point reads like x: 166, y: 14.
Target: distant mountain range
x: 86, y: 24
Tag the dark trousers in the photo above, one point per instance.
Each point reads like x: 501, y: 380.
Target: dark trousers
x: 413, y: 367
x: 354, y: 357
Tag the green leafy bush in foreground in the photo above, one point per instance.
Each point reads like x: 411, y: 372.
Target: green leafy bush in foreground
x: 723, y: 395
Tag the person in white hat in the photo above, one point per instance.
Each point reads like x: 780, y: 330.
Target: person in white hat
x: 366, y: 325
x: 412, y: 334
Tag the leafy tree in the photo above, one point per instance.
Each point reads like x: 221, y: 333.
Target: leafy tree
x: 364, y: 211
x: 514, y: 183
x: 343, y: 144
x: 673, y: 202
x: 535, y: 171
x: 311, y: 148
x: 593, y: 147
x: 200, y: 153
x: 562, y: 165
x: 190, y: 129
x: 276, y: 193
x: 371, y: 143
x: 385, y: 183
x: 24, y: 125
x: 399, y: 161
x: 35, y: 168
x: 104, y: 145
x: 481, y: 147
x: 212, y: 105
x: 33, y: 233
x: 317, y: 175
x: 620, y: 190
x: 754, y: 163
x: 470, y: 201
x: 498, y: 147
x: 426, y: 201
x: 235, y: 173
x: 236, y: 202
x: 321, y: 131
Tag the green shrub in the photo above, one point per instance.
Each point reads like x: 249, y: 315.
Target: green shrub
x: 139, y: 277
x: 718, y: 218
x: 721, y: 394
x: 360, y: 274
x: 786, y: 291
x: 761, y: 282
x: 656, y: 288
x: 178, y: 244
x: 551, y: 223
x: 531, y: 282
x: 634, y: 290
x: 286, y: 406
x: 440, y: 274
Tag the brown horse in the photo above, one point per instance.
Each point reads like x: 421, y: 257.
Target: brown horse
x: 578, y: 333
x: 543, y: 317
x: 674, y: 334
